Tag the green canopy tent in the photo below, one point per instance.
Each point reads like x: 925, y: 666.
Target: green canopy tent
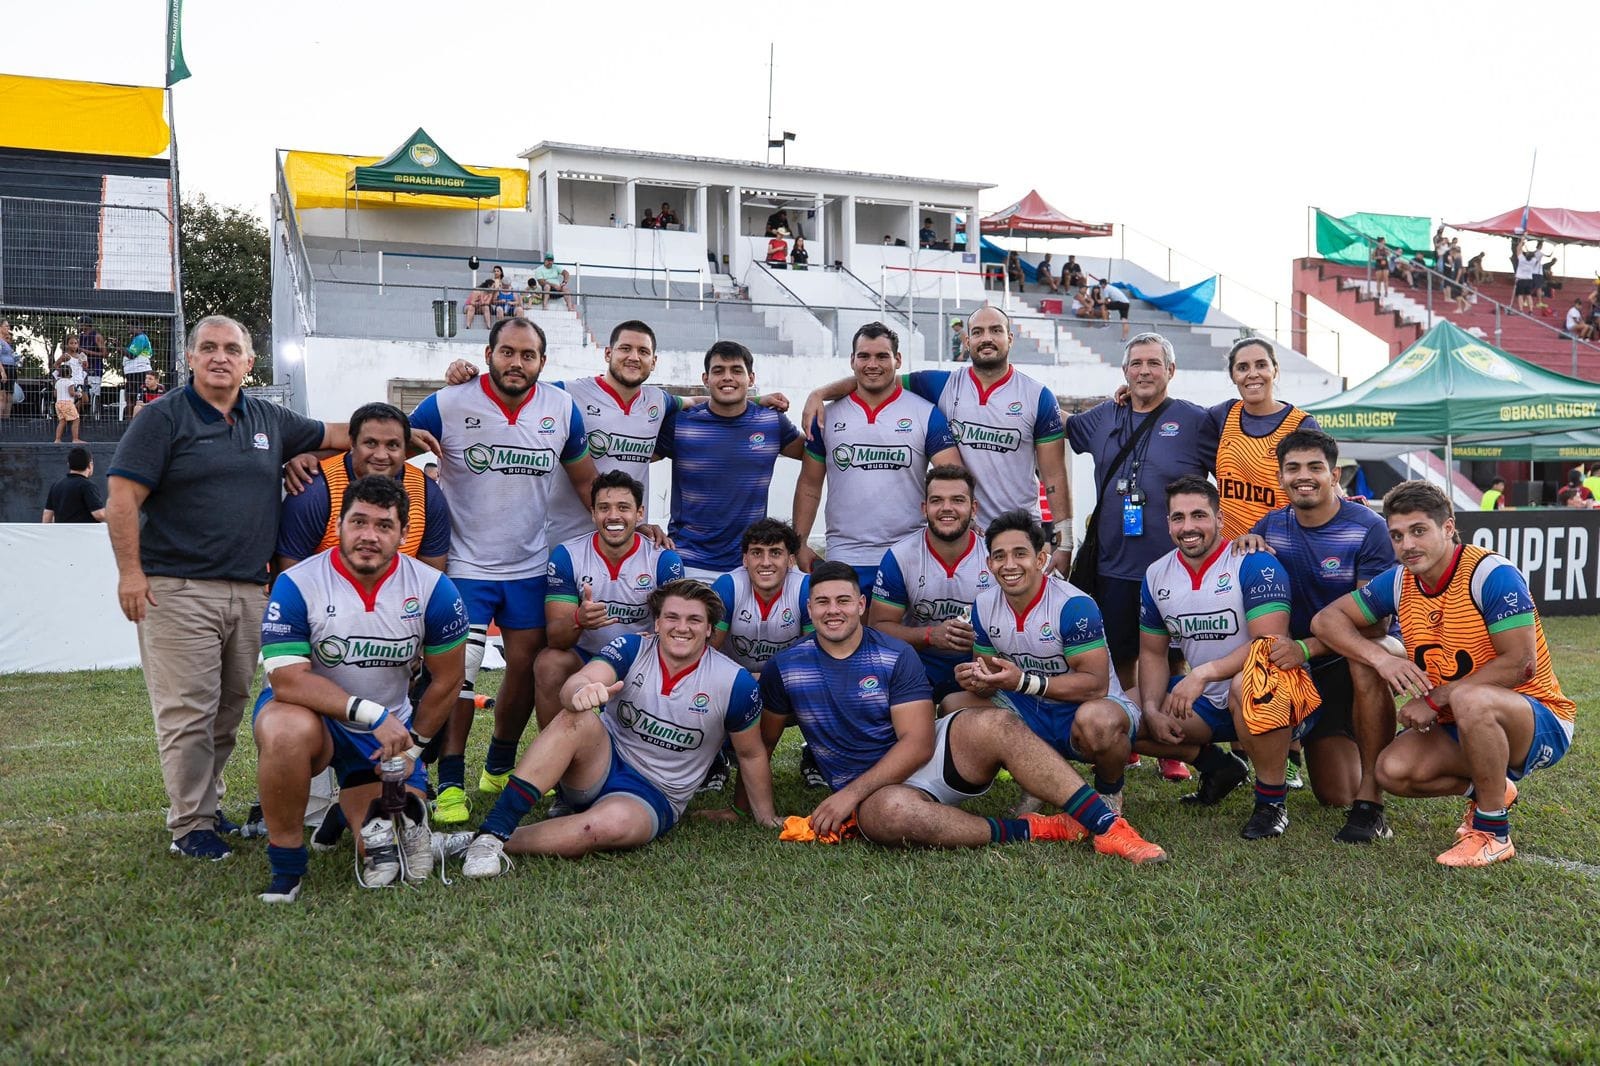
x: 420, y: 167
x: 1579, y: 444
x: 1350, y: 239
x: 1451, y: 388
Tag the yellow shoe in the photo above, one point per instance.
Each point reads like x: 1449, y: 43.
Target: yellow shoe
x: 492, y: 784
x: 451, y: 807
x: 1478, y: 848
x: 1472, y: 808
x: 1123, y: 840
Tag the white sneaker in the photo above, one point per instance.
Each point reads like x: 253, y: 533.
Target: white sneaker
x: 1029, y: 804
x: 1113, y: 801
x: 416, y: 840
x: 486, y: 857
x: 380, y: 862
x: 452, y: 845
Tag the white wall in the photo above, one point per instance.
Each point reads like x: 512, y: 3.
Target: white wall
x: 509, y: 230
x: 63, y: 616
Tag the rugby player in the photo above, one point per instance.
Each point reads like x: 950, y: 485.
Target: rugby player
x: 599, y: 587
x: 503, y: 440
x: 1483, y: 707
x: 1213, y: 603
x: 871, y: 448
x: 927, y: 582
x: 1007, y: 427
x: 338, y: 637
x: 863, y: 703
x: 1330, y: 547
x: 1040, y: 649
x: 666, y: 702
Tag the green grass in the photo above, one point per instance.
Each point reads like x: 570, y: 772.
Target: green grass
x: 720, y: 944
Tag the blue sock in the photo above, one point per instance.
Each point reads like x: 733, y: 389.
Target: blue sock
x: 1495, y: 823
x: 1090, y: 810
x: 1107, y: 788
x: 515, y: 801
x: 1273, y: 794
x: 287, y: 862
x: 1008, y: 830
x: 452, y: 772
x: 502, y: 757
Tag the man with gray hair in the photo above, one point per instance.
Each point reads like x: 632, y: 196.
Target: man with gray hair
x: 1139, y: 447
x: 204, y: 465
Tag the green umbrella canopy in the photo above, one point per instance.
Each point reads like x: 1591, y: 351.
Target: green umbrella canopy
x: 420, y: 166
x: 1450, y: 384
x: 1548, y: 447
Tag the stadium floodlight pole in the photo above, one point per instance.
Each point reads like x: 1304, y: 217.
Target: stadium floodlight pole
x: 772, y: 51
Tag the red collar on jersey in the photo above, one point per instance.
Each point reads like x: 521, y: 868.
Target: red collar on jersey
x: 983, y: 393
x: 873, y: 412
x: 368, y: 599
x: 511, y: 413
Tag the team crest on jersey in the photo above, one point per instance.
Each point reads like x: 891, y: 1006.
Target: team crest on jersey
x: 1224, y: 581
x: 757, y: 439
x: 1162, y: 594
x: 788, y: 616
x: 1330, y: 564
x: 643, y: 581
x: 870, y: 684
x: 700, y: 704
x: 411, y: 607
x: 1168, y: 429
x: 1014, y: 407
x: 546, y: 424
x: 261, y: 442
x: 591, y: 409
x: 1046, y: 632
x: 1434, y: 618
x: 745, y: 615
x: 903, y: 425
x: 984, y: 579
x: 652, y: 413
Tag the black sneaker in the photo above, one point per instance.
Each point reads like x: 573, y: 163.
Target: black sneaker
x: 226, y: 827
x: 1267, y: 820
x: 255, y: 824
x: 1218, y: 783
x: 810, y: 772
x: 285, y: 888
x: 716, y: 777
x: 326, y: 838
x: 201, y: 844
x: 1364, y: 824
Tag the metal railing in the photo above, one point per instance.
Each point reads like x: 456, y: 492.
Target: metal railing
x: 99, y: 256
x: 299, y: 261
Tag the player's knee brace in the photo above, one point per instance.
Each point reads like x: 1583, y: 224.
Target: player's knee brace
x: 477, y: 638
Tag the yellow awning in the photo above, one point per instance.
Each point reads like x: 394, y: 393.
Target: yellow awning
x: 321, y: 179
x: 55, y: 115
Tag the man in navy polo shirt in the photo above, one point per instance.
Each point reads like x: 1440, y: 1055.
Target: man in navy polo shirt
x: 1132, y: 506
x: 203, y: 464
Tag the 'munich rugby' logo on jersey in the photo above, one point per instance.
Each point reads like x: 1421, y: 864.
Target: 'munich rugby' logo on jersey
x: 758, y: 650
x: 985, y: 438
x: 509, y: 459
x: 617, y: 446
x: 652, y: 730
x: 364, y: 651
x: 1211, y: 625
x: 872, y: 457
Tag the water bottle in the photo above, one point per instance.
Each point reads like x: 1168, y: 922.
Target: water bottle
x: 393, y: 801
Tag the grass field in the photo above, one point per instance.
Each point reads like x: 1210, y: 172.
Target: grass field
x: 720, y: 944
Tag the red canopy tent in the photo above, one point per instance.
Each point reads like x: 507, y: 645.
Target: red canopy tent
x: 1032, y: 216
x: 1551, y: 223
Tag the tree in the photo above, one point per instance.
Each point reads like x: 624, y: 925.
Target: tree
x: 227, y: 270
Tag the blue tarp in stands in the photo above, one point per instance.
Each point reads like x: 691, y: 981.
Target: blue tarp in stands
x: 993, y: 253
x: 1186, y: 305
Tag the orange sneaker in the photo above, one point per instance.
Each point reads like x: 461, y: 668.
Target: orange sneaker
x: 1478, y: 848
x: 1472, y: 808
x: 1124, y: 840
x: 1059, y: 828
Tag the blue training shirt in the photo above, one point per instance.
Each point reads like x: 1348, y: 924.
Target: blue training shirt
x: 1328, y: 561
x: 842, y: 705
x: 721, y: 470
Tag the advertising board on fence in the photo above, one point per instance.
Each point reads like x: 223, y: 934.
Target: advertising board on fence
x: 1557, y: 550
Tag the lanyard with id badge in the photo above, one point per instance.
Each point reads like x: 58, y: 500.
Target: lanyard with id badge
x: 1132, y: 502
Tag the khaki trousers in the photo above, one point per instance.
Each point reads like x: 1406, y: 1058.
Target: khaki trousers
x: 198, y: 645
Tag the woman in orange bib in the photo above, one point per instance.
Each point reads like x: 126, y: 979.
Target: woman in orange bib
x: 1249, y: 430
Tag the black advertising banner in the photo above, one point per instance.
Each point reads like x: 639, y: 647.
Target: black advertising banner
x: 1557, y: 549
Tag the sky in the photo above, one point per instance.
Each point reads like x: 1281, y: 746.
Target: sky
x: 1209, y: 128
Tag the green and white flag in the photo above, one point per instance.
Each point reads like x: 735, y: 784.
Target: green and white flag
x: 177, y: 69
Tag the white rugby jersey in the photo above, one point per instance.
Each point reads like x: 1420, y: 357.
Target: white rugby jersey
x: 913, y: 577
x: 997, y: 431
x: 621, y: 436
x: 497, y: 472
x: 670, y: 728
x: 1060, y: 623
x: 757, y: 631
x: 875, y: 460
x: 1207, y: 608
x: 624, y: 587
x: 362, y: 643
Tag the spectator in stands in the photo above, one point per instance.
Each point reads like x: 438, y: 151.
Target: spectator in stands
x: 1537, y: 288
x: 1574, y: 497
x: 93, y: 346
x: 1547, y: 283
x: 1380, y: 268
x: 1409, y: 271
x: 1046, y: 274
x: 1079, y: 307
x: 552, y: 280
x: 1593, y: 321
x: 1527, y: 266
x: 1591, y: 484
x: 888, y: 241
x: 1014, y: 271
x: 1494, y: 497
x: 1440, y: 243
x: 1475, y: 274
x: 481, y: 301
x: 777, y: 253
x: 778, y: 223
x: 135, y: 364
x: 1576, y: 326
x: 71, y: 357
x: 531, y: 296
x: 1071, y: 272
x: 152, y: 391
x: 505, y: 299
x: 67, y: 392
x: 925, y: 235
x: 799, y: 258
x: 667, y: 218
x: 1575, y: 482
x: 1450, y: 267
x: 1097, y: 303
x: 648, y: 221
x: 74, y: 499
x: 1117, y: 302
x: 8, y: 367
x: 958, y: 341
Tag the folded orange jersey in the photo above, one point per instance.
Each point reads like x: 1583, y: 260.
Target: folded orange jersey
x: 797, y: 830
x: 1274, y: 698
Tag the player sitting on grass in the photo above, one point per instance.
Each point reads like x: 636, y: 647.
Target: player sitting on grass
x: 1213, y: 603
x: 340, y: 632
x: 666, y: 701
x: 863, y: 703
x: 1484, y: 706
